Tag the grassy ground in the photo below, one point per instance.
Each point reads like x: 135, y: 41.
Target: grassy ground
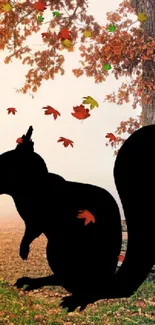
x: 19, y: 308
x: 42, y: 306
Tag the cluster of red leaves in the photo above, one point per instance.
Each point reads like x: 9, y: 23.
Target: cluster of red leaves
x: 80, y: 112
x: 123, y: 50
x: 66, y: 142
x: 126, y: 51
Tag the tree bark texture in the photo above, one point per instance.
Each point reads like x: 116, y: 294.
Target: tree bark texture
x: 147, y: 7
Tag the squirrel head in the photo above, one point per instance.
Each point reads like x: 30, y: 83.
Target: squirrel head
x: 22, y: 170
x: 27, y: 145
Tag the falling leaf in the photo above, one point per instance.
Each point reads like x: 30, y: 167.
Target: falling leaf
x: 106, y: 66
x: 65, y: 34
x: 40, y: 5
x: 19, y: 140
x: 40, y: 18
x: 66, y: 142
x: 91, y: 101
x: 50, y: 110
x: 85, y: 214
x: 67, y: 43
x: 7, y: 7
x: 142, y: 17
x: 11, y: 110
x: 56, y: 13
x: 45, y: 34
x: 111, y: 137
x: 87, y: 33
x: 81, y: 112
x: 121, y: 258
x: 112, y: 28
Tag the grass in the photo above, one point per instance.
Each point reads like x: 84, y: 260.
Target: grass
x: 20, y: 308
x: 42, y: 306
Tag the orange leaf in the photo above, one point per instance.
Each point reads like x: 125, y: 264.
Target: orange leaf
x: 66, y: 142
x: 85, y: 214
x: 19, y: 140
x: 121, y: 258
x: 50, y: 110
x: 11, y: 110
x: 111, y: 137
x: 71, y: 49
x: 45, y: 34
x: 81, y: 112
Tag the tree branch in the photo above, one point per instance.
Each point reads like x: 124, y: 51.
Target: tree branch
x: 73, y: 15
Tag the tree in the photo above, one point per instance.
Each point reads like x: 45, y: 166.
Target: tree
x: 147, y: 61
x: 114, y: 46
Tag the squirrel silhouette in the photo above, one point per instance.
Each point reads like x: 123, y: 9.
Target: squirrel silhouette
x: 83, y: 257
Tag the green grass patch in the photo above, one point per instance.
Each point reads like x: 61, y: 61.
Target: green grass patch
x: 19, y: 308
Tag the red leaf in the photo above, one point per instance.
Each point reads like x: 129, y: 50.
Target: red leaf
x: 85, y: 214
x: 11, y: 110
x: 45, y: 34
x: 81, y: 112
x: 65, y: 34
x: 111, y: 137
x: 66, y: 142
x: 19, y: 140
x: 121, y: 258
x: 50, y: 110
x: 40, y: 5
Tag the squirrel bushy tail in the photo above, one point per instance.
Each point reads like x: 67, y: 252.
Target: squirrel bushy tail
x: 134, y: 174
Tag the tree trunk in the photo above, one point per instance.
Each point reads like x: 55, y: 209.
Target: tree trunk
x: 147, y: 7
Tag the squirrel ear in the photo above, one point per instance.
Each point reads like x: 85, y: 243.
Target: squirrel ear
x: 27, y: 145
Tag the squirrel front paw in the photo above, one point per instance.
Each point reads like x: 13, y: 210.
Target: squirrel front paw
x: 24, y: 251
x: 22, y: 281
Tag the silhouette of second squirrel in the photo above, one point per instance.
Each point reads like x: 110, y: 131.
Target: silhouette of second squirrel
x: 83, y: 257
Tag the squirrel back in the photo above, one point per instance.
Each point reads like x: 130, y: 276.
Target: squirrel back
x: 135, y: 182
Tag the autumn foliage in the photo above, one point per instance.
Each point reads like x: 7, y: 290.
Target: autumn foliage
x: 112, y: 47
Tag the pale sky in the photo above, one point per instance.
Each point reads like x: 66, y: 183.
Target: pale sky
x: 90, y: 161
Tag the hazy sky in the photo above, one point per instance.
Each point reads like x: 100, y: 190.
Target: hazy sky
x: 90, y: 160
